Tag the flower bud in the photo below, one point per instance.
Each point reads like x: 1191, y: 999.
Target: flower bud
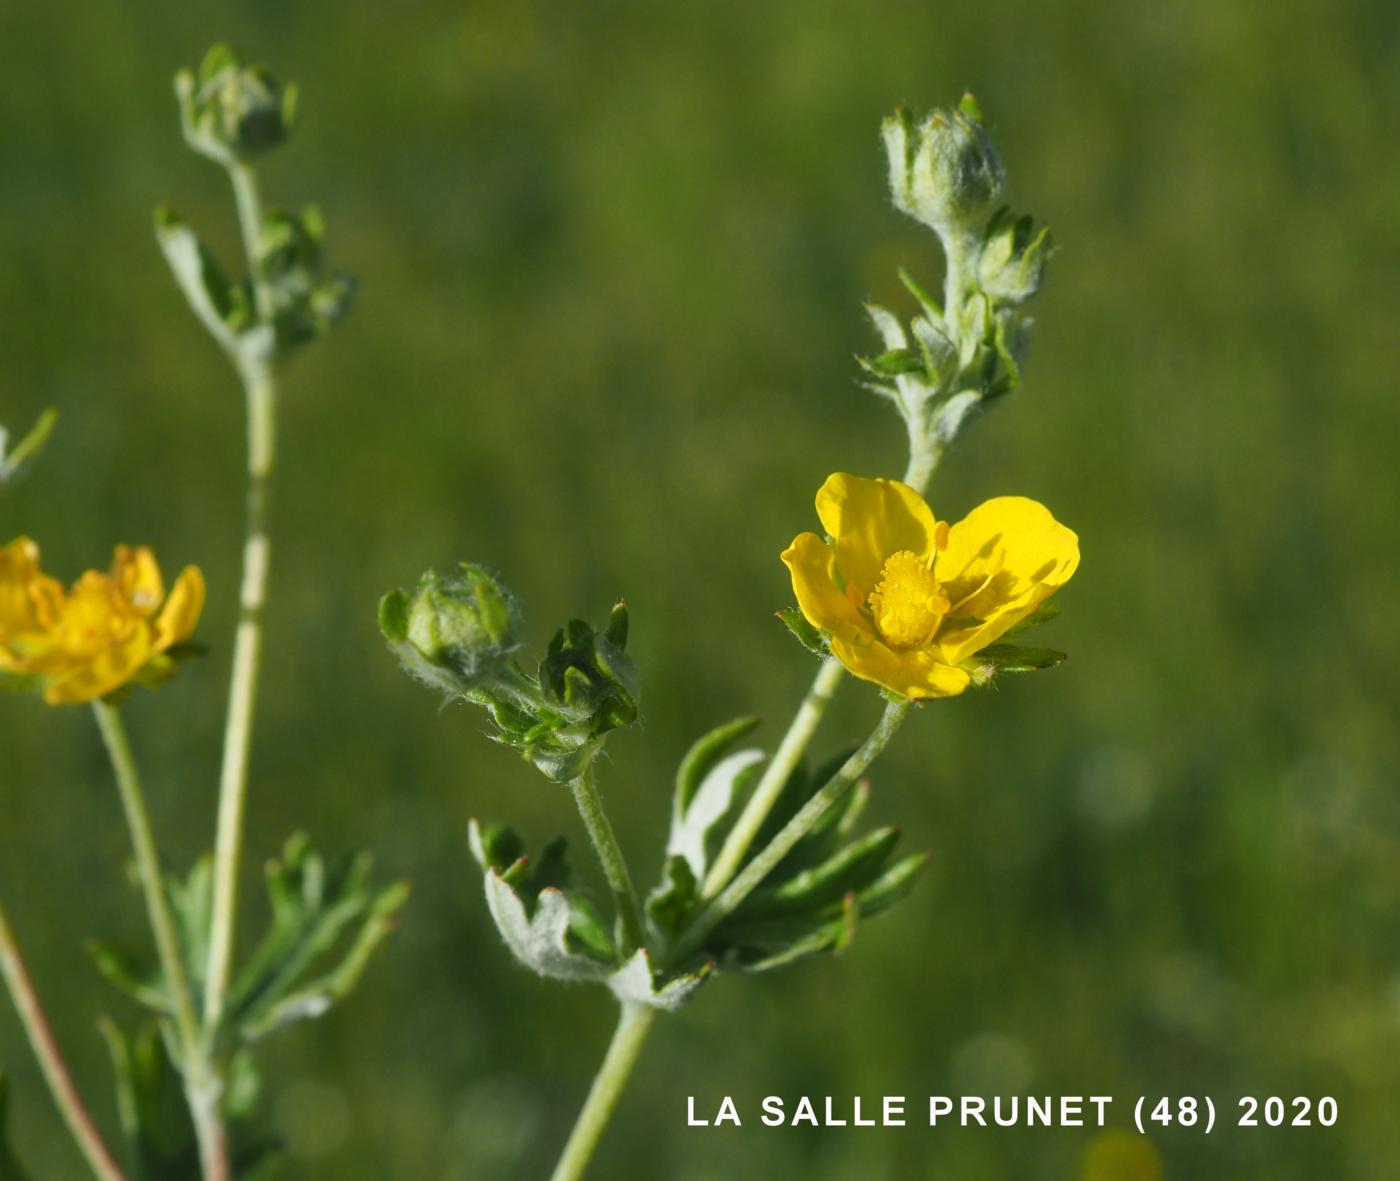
x: 944, y: 171
x: 1012, y: 266
x: 456, y: 632
x: 587, y: 676
x: 232, y: 112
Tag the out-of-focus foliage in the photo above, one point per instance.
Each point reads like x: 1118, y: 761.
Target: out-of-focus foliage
x: 613, y: 259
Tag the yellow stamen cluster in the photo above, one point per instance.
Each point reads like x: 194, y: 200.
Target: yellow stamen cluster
x: 908, y: 603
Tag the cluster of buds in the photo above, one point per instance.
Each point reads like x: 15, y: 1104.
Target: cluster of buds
x: 457, y: 633
x: 945, y: 172
x: 232, y: 114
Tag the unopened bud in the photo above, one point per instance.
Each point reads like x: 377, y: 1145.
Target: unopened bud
x: 945, y: 171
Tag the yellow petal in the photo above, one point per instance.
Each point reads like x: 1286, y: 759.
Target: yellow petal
x: 870, y: 520
x: 918, y: 672
x: 1003, y: 560
x: 812, y: 565
x: 107, y: 670
x: 24, y: 590
x: 181, y: 612
x: 137, y: 575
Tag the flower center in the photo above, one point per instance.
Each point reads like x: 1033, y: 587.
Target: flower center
x: 908, y: 604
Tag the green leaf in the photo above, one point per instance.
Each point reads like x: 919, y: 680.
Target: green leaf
x: 671, y: 903
x: 140, y: 980
x: 916, y: 289
x: 637, y: 983
x: 702, y: 757
x: 695, y: 829
x: 552, y: 930
x: 851, y: 868
x: 319, y: 913
x: 893, y: 363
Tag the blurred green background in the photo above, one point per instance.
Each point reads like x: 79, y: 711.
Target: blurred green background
x: 612, y: 261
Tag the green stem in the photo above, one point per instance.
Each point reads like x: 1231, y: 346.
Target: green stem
x: 924, y: 455
x: 260, y: 384
x: 55, y: 1069
x: 202, y: 1085
x: 600, y: 832
x: 623, y: 1051
x: 767, y: 859
x: 775, y: 777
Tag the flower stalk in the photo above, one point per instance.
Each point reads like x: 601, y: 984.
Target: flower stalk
x: 202, y: 1084
x: 609, y: 852
x: 51, y: 1062
x: 767, y: 859
x: 633, y: 1025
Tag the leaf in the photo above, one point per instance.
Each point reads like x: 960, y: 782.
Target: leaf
x: 693, y: 825
x: 851, y: 868
x: 916, y: 289
x: 524, y: 897
x: 888, y: 326
x: 701, y: 758
x: 670, y: 904
x: 142, y: 981
x: 315, y: 909
x: 893, y: 363
x: 540, y: 942
x: 635, y: 982
x: 222, y: 308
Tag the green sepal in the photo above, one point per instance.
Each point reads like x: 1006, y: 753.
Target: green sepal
x: 807, y: 635
x: 321, y: 915
x: 1013, y: 658
x: 9, y: 1164
x: 1047, y: 611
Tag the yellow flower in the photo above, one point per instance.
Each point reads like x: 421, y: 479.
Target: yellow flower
x: 905, y: 598
x: 109, y: 628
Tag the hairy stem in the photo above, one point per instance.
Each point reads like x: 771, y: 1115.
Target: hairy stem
x: 260, y: 384
x: 202, y: 1085
x: 623, y: 1051
x: 600, y: 832
x: 767, y: 859
x: 55, y: 1069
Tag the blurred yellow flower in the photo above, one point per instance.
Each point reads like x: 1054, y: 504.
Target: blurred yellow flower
x: 905, y: 598
x: 104, y: 632
x: 1119, y: 1155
